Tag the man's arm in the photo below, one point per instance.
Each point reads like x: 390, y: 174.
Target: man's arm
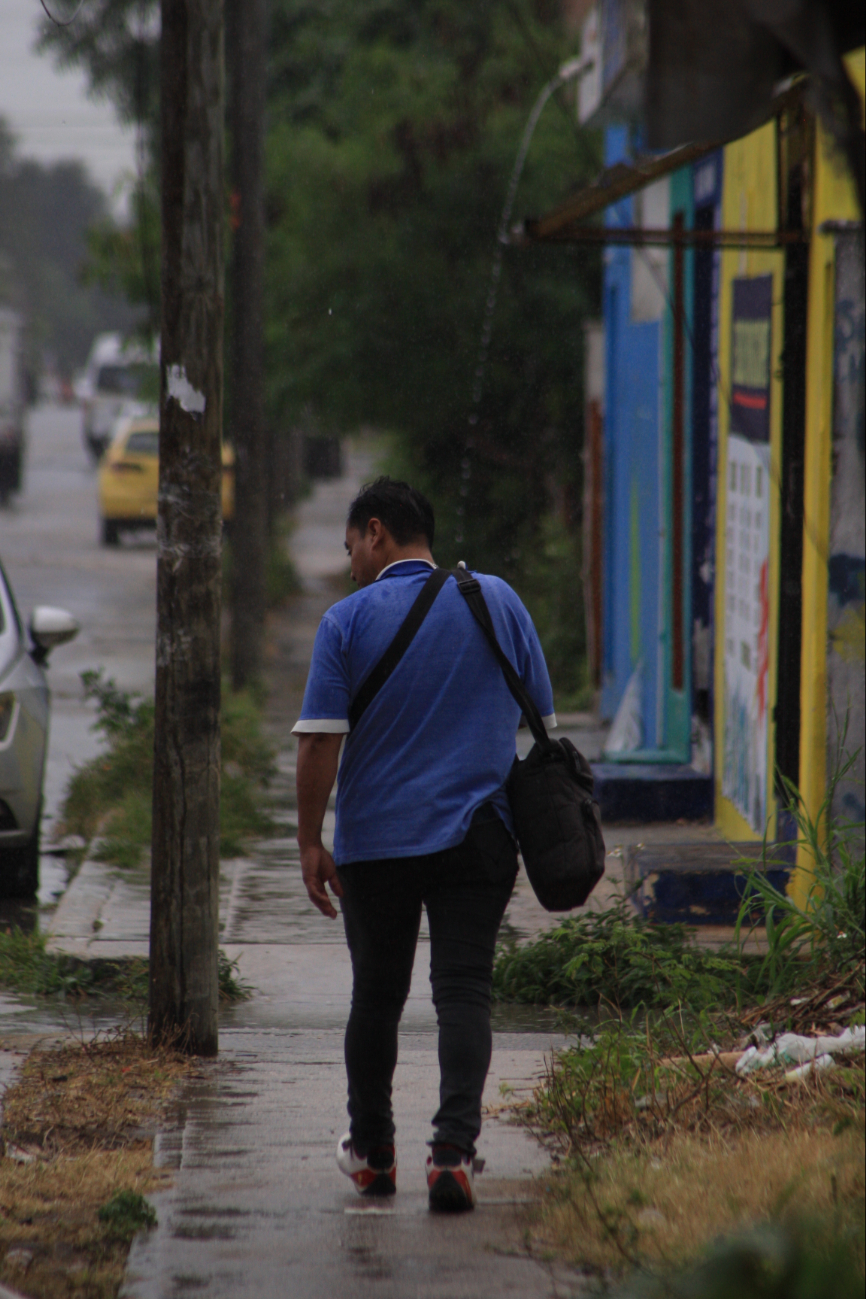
x: 318, y: 755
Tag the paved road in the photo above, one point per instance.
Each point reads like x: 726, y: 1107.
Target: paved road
x: 49, y: 547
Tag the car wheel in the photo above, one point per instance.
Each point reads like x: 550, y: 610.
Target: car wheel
x: 110, y: 532
x: 19, y: 869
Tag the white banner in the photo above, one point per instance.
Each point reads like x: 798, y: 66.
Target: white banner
x: 747, y: 619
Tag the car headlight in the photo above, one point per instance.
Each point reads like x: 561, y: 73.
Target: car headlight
x: 7, y: 709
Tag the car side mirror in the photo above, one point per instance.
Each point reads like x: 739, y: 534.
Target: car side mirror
x: 50, y: 627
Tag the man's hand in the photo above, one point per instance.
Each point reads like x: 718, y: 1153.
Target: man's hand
x: 318, y: 869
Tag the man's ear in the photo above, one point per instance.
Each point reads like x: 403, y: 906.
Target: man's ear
x: 377, y: 532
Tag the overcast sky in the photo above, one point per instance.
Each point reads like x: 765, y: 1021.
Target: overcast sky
x: 49, y: 111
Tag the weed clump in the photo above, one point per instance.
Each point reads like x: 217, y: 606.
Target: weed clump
x: 662, y: 1144
x: 822, y: 941
x: 126, y: 1213
x: 112, y: 794
x: 26, y: 966
x: 616, y: 958
x: 613, y: 957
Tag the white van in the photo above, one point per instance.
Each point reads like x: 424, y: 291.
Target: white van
x: 121, y: 379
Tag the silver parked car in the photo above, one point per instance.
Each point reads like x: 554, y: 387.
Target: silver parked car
x: 24, y: 708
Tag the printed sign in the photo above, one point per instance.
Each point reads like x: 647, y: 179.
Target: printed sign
x: 747, y: 554
x: 750, y: 358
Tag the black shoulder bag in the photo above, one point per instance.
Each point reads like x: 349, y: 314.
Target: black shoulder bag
x: 556, y: 818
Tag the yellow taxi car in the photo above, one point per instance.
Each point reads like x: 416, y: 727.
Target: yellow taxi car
x: 128, y: 479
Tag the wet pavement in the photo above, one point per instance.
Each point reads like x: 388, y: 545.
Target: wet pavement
x: 257, y: 1206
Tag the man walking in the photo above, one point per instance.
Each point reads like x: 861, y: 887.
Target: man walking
x: 422, y: 821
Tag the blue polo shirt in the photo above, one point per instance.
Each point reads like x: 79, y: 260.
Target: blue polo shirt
x: 438, y: 740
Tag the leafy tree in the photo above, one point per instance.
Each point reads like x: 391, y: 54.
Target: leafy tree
x: 45, y: 214
x: 116, y: 42
x: 124, y: 258
x: 393, y: 126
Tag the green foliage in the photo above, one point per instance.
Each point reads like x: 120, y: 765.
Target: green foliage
x: 393, y: 129
x: 118, y: 780
x: 117, y: 43
x: 232, y: 987
x: 551, y: 586
x: 27, y: 967
x: 403, y: 122
x: 126, y: 1213
x: 45, y: 213
x: 814, y: 1258
x: 124, y: 259
x: 112, y: 793
x: 826, y: 937
x: 281, y: 576
x: 614, y: 957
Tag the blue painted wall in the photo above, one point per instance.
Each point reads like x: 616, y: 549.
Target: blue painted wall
x: 638, y: 576
x: 633, y: 576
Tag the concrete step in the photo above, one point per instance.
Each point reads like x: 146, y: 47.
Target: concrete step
x: 647, y: 792
x: 701, y: 884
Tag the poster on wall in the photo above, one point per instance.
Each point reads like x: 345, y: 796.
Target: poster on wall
x: 846, y: 594
x: 747, y: 553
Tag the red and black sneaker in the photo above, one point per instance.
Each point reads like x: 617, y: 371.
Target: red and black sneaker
x: 372, y: 1174
x: 450, y: 1179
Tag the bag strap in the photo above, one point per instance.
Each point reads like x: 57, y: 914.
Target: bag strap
x: 470, y: 589
x: 378, y: 675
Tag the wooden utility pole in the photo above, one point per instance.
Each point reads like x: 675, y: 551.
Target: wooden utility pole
x: 186, y: 777
x: 245, y: 23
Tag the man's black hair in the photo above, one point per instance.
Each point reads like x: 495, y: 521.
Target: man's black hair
x: 404, y: 511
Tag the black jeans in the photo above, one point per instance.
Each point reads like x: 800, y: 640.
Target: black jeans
x: 465, y: 891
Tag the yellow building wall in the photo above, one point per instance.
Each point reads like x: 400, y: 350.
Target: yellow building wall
x: 834, y: 199
x: 748, y: 203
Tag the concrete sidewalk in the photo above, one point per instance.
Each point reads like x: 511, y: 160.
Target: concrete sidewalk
x: 257, y: 1207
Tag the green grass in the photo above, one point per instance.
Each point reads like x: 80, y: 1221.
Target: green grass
x: 673, y: 1171
x: 810, y: 1258
x: 826, y: 936
x: 111, y: 795
x: 27, y: 967
x: 126, y: 1213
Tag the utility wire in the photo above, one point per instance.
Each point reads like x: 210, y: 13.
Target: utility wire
x: 57, y: 22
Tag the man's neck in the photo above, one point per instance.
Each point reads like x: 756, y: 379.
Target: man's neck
x: 397, y: 553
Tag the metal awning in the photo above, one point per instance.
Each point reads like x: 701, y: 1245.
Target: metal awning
x: 566, y: 223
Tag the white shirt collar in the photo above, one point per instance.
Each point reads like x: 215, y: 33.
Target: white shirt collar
x: 395, y: 562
